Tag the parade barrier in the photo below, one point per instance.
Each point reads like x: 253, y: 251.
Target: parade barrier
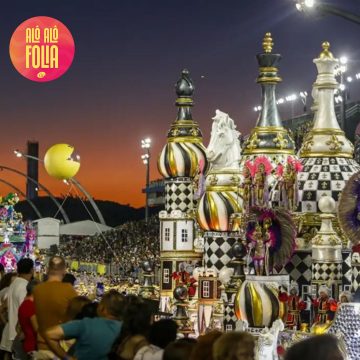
x: 100, y: 269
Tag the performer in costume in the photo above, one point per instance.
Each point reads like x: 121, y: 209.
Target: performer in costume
x: 248, y: 172
x: 294, y: 306
x: 260, y: 244
x: 325, y: 307
x: 263, y: 168
x: 345, y: 297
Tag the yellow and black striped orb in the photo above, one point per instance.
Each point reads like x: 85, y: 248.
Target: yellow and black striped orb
x: 182, y: 159
x: 215, y: 209
x: 258, y: 303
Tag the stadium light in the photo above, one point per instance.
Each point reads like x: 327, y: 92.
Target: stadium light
x: 146, y: 144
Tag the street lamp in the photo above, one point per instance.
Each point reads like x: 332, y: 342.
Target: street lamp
x: 313, y: 6
x: 303, y: 97
x: 146, y: 144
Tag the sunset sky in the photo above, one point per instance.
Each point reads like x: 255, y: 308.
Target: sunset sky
x: 129, y: 54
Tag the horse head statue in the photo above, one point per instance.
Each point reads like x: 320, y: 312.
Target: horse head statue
x: 224, y: 147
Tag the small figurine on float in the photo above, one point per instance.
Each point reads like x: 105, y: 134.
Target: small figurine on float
x: 247, y: 185
x: 288, y: 186
x: 263, y: 168
x: 294, y: 306
x: 325, y: 306
x: 199, y: 180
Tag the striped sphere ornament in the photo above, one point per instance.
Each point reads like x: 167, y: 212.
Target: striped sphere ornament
x: 182, y: 159
x: 258, y: 303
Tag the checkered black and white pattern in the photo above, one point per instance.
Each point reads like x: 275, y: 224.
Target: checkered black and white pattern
x: 323, y: 176
x: 217, y: 250
x: 179, y: 195
x: 326, y: 271
x: 299, y: 268
x: 355, y: 284
x: 346, y: 268
x: 229, y: 318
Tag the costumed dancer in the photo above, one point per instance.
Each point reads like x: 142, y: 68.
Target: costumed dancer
x: 325, y: 307
x: 263, y: 168
x: 260, y: 244
x: 294, y: 306
x: 271, y: 239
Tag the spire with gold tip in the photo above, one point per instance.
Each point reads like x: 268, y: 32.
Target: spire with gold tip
x: 269, y: 137
x: 327, y: 155
x: 184, y: 150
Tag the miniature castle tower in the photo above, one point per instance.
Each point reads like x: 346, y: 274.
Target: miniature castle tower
x: 179, y: 163
x: 268, y: 137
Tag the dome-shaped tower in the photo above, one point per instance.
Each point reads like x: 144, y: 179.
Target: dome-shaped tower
x: 181, y: 159
x: 184, y: 150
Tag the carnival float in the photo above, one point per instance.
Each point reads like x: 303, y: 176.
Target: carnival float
x: 255, y: 236
x: 17, y: 238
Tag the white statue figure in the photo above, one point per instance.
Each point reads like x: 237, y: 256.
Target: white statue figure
x: 241, y: 325
x: 224, y: 146
x: 267, y: 341
x: 199, y: 244
x: 6, y: 237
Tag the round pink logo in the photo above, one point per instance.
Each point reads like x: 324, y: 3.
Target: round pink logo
x: 42, y: 49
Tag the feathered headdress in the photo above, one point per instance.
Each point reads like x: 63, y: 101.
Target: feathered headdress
x: 264, y: 161
x: 349, y: 209
x: 282, y: 233
x: 251, y: 167
x: 297, y: 165
x: 279, y: 170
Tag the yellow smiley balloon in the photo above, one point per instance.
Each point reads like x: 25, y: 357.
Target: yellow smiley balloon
x: 59, y: 162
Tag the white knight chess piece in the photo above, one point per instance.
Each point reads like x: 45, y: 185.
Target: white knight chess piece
x: 224, y: 147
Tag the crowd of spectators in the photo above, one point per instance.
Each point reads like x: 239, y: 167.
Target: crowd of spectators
x: 125, y: 247
x: 48, y: 319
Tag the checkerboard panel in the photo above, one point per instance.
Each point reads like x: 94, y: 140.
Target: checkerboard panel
x: 323, y: 176
x: 299, y: 268
x: 218, y: 251
x: 355, y: 283
x: 326, y: 271
x: 229, y: 318
x: 346, y: 268
x: 179, y: 195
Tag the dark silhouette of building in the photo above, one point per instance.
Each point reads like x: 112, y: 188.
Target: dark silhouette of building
x: 32, y: 169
